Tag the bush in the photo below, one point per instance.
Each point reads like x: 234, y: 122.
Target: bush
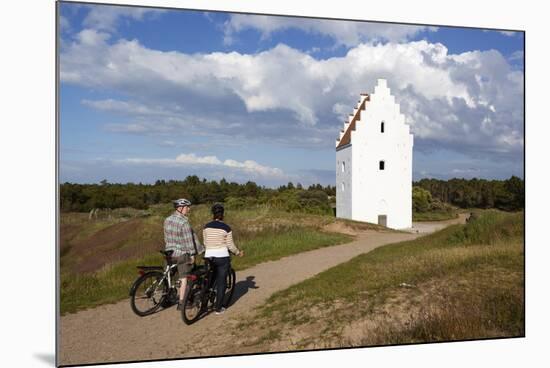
x: 421, y: 199
x: 299, y: 200
x: 427, y: 208
x: 315, y: 201
x: 235, y: 203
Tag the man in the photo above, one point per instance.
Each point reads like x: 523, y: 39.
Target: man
x: 179, y: 237
x: 218, y: 241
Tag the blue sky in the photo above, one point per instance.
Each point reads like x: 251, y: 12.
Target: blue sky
x: 148, y: 94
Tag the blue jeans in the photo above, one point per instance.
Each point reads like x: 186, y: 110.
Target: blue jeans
x: 221, y: 268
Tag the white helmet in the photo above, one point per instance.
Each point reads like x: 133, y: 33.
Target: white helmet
x: 182, y: 202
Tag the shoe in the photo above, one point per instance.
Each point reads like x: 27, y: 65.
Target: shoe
x: 221, y: 311
x: 180, y: 305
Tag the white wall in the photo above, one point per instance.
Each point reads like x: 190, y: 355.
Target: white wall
x: 343, y: 195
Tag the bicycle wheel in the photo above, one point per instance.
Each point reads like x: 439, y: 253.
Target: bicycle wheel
x: 148, y: 293
x: 192, y: 304
x: 230, y: 287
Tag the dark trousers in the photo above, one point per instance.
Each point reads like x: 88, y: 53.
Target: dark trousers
x: 221, y: 267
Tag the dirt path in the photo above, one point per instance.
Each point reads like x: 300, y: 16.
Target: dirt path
x: 113, y: 333
x: 430, y: 227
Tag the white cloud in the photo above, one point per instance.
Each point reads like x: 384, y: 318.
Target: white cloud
x: 107, y: 18
x: 127, y: 108
x: 128, y: 128
x: 261, y: 87
x: 285, y: 94
x: 505, y: 33
x: 167, y: 143
x: 516, y: 55
x: 340, y: 108
x: 342, y: 32
x: 469, y: 170
x: 250, y: 167
x: 191, y: 159
x: 254, y: 167
x: 64, y: 24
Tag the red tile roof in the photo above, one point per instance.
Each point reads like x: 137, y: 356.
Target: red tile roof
x: 346, y: 138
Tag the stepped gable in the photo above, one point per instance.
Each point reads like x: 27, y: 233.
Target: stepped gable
x: 346, y: 137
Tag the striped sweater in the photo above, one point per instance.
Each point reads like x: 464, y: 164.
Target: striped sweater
x: 218, y: 235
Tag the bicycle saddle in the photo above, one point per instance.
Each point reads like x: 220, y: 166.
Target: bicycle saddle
x: 167, y: 253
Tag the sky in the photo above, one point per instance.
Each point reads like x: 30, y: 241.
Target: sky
x: 148, y: 94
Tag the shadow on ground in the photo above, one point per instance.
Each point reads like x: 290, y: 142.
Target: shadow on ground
x: 242, y: 287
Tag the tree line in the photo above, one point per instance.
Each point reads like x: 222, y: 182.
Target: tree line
x: 502, y: 194
x: 508, y: 195
x: 85, y: 197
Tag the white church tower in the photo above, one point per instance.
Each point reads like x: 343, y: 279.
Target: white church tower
x: 374, y: 163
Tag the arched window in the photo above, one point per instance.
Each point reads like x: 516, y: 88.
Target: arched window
x: 343, y: 166
x: 343, y: 186
x: 382, y: 127
x: 381, y: 165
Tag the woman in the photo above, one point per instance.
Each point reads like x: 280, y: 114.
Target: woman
x: 218, y: 242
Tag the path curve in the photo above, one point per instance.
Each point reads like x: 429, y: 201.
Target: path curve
x: 113, y: 333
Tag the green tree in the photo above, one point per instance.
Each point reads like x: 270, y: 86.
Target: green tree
x: 516, y: 187
x: 421, y: 199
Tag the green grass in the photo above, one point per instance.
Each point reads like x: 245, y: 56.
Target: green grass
x: 264, y: 234
x: 478, y: 268
x: 358, y: 225
x: 111, y: 284
x: 491, y: 227
x: 273, y: 244
x: 434, y: 215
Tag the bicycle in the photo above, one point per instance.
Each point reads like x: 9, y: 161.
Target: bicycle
x: 200, y: 294
x: 155, y: 287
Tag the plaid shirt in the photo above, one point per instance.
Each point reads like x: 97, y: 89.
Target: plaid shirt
x: 178, y: 235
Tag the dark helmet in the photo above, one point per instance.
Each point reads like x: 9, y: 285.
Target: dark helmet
x: 217, y: 209
x: 182, y: 202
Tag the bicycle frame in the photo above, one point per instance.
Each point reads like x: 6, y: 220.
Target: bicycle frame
x: 206, y: 280
x: 165, y: 276
x: 172, y: 286
x: 160, y: 284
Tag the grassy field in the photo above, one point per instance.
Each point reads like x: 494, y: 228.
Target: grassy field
x: 463, y: 282
x: 99, y: 256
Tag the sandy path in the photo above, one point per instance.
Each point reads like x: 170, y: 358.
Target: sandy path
x: 113, y: 333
